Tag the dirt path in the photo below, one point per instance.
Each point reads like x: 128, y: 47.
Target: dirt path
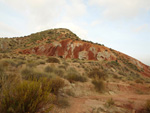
x: 88, y: 104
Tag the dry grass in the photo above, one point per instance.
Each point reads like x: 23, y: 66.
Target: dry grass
x: 99, y: 84
x: 97, y: 73
x: 110, y: 102
x: 73, y: 76
x: 52, y: 60
x: 25, y: 97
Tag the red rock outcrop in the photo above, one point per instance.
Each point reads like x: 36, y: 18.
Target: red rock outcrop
x: 73, y: 49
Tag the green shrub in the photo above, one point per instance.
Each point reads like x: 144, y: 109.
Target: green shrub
x: 99, y: 85
x: 52, y: 60
x: 26, y: 97
x: 97, y: 73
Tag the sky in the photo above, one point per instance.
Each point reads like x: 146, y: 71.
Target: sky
x: 123, y: 25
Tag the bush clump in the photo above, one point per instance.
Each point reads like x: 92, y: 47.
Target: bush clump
x: 99, y: 84
x: 30, y: 74
x: 146, y: 107
x: 57, y: 71
x: 113, y: 63
x: 110, y: 102
x: 52, y: 60
x: 96, y: 73
x: 26, y: 97
x: 40, y: 62
x: 139, y: 81
x: 49, y: 69
x: 71, y: 77
x: 56, y: 85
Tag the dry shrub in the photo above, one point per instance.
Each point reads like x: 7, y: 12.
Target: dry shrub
x: 147, y: 106
x: 70, y: 92
x: 31, y: 74
x: 56, y: 85
x: 139, y: 81
x: 26, y: 97
x: 1, y: 69
x: 7, y: 79
x: 62, y: 67
x: 49, y: 69
x: 71, y: 77
x: 12, y: 62
x: 7, y: 62
x: 99, y: 84
x: 31, y: 64
x: 59, y: 72
x: 110, y: 102
x: 52, y: 60
x: 40, y: 62
x: 97, y: 73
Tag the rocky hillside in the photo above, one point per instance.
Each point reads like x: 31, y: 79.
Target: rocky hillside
x: 65, y: 44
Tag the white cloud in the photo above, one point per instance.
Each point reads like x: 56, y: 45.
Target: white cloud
x: 141, y: 28
x: 43, y: 14
x: 75, y: 8
x: 7, y: 31
x: 96, y: 22
x: 116, y: 9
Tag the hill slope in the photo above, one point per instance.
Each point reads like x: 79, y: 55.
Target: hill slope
x: 65, y: 44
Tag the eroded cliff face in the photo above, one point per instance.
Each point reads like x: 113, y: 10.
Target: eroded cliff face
x: 73, y: 49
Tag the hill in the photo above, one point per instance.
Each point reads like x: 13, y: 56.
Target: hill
x: 55, y: 71
x: 65, y: 44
